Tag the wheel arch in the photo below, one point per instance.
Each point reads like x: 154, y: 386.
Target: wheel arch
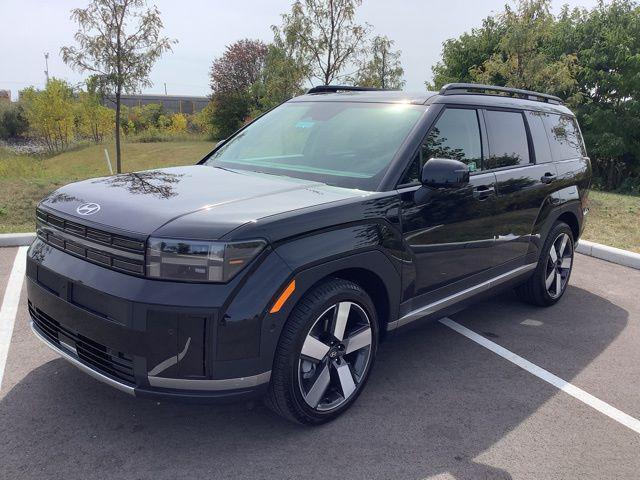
x: 563, y: 205
x: 373, y: 285
x: 570, y: 219
x: 371, y: 270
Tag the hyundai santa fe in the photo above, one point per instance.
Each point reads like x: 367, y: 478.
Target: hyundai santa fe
x: 277, y: 264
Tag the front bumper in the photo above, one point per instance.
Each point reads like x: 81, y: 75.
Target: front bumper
x: 228, y: 389
x: 153, y: 338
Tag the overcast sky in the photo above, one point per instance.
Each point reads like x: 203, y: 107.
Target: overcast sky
x: 203, y: 28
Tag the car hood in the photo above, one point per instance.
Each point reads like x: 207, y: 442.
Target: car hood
x: 195, y: 201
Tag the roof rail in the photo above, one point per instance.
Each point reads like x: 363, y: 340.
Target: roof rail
x: 343, y: 88
x: 478, y: 89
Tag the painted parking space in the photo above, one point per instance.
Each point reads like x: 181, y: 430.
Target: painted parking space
x: 437, y: 406
x: 597, y: 324
x: 7, y: 257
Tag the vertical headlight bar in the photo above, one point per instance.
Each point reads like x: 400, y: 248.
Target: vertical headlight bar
x: 197, y: 260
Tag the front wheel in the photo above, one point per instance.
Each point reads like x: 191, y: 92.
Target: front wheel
x: 325, y: 354
x: 551, y: 277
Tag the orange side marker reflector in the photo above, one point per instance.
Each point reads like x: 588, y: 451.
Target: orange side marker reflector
x: 284, y: 296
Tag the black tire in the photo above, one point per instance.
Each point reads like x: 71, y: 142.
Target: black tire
x: 293, y: 370
x: 537, y: 290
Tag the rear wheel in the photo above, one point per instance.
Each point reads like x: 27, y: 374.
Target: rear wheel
x: 551, y: 277
x: 325, y: 353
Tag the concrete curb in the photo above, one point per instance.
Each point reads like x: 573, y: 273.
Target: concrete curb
x: 610, y: 254
x: 16, y: 239
x: 585, y: 247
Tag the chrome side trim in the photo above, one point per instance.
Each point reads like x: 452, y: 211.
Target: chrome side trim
x: 456, y: 297
x: 210, y: 385
x: 86, y: 369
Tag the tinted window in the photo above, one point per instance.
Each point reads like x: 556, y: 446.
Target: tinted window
x: 564, y: 137
x: 539, y: 137
x: 507, y: 135
x: 456, y: 135
x: 339, y: 143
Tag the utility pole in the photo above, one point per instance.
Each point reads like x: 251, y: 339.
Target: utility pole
x: 46, y: 66
x: 165, y: 88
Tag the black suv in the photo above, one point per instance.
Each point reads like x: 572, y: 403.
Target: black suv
x: 278, y: 263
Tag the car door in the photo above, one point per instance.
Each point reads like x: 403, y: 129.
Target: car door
x: 524, y: 178
x: 449, y: 232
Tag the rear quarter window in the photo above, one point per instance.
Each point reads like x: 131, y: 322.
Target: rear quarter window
x: 564, y: 137
x: 539, y: 137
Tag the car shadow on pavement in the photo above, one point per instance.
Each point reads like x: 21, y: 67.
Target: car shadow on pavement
x: 434, y: 403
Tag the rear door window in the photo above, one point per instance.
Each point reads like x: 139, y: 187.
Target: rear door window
x: 508, y: 144
x: 564, y: 137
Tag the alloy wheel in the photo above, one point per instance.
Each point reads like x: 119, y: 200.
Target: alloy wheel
x: 559, y: 265
x: 335, y: 356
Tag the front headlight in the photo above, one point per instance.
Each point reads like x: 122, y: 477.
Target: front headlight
x: 197, y: 260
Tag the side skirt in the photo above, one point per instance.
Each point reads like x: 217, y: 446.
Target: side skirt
x: 459, y: 296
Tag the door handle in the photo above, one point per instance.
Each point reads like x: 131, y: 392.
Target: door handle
x: 548, y: 177
x: 482, y: 192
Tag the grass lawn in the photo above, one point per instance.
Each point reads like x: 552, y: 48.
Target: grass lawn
x: 613, y: 219
x: 24, y: 180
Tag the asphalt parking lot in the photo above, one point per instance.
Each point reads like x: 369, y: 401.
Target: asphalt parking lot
x: 438, y: 405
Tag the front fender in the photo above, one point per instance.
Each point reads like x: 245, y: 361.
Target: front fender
x: 248, y: 332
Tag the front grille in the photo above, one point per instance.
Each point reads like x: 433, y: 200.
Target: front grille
x: 101, y: 358
x: 116, y: 252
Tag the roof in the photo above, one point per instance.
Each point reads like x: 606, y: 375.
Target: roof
x: 428, y: 98
x: 488, y: 100
x: 368, y: 96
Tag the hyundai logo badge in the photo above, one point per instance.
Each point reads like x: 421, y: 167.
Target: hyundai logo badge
x: 88, y: 208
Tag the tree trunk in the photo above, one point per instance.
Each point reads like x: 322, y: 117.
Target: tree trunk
x: 118, y: 157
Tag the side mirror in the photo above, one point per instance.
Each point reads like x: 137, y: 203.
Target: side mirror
x: 444, y: 173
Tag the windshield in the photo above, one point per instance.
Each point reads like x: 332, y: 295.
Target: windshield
x: 338, y: 143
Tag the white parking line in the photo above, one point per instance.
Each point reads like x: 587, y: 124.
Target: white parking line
x: 9, y: 307
x: 593, y: 402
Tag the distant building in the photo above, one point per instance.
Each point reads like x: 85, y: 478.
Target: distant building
x: 171, y: 103
x: 5, y: 95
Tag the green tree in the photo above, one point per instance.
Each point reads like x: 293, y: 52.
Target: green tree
x: 382, y: 68
x: 281, y: 78
x: 522, y: 58
x: 326, y: 35
x: 607, y: 40
x: 233, y: 79
x: 118, y: 41
x: 591, y: 58
x: 230, y: 112
x: 50, y: 113
x: 462, y: 56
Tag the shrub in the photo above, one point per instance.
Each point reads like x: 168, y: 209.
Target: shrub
x: 164, y: 122
x: 50, y: 113
x: 178, y: 124
x: 95, y: 121
x: 13, y: 123
x: 202, y: 122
